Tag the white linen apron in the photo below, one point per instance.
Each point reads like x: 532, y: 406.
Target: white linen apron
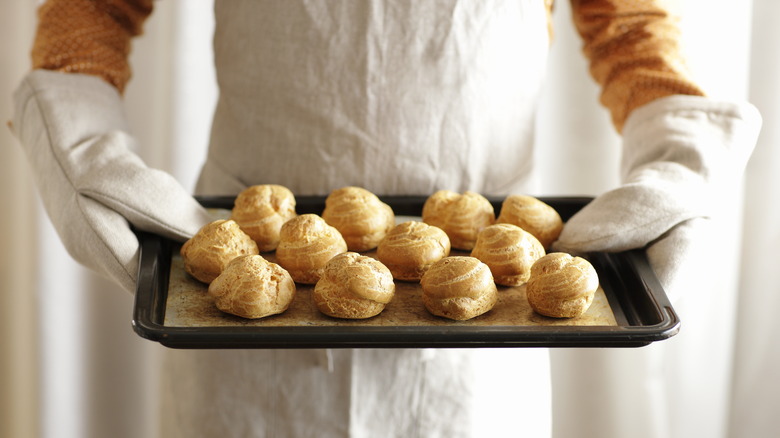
x: 400, y: 98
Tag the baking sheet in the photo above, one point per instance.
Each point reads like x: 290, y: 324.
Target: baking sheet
x: 630, y: 308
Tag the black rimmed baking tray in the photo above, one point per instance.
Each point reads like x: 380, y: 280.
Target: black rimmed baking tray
x: 631, y: 309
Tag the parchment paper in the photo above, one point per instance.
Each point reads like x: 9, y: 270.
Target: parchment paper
x: 189, y: 305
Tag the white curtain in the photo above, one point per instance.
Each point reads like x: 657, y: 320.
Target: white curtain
x: 756, y: 379
x: 70, y: 365
x: 18, y: 237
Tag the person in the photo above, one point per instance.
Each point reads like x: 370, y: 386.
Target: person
x: 398, y: 98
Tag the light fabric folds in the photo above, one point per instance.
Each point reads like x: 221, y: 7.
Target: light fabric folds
x: 93, y: 185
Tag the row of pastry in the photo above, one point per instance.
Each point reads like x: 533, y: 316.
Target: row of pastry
x: 325, y: 250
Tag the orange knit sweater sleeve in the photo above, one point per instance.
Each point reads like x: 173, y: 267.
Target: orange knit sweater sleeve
x: 634, y: 53
x: 89, y: 36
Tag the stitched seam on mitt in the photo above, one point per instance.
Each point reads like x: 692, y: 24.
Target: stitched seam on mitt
x: 34, y: 99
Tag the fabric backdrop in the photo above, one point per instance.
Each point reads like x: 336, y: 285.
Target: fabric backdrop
x: 71, y: 366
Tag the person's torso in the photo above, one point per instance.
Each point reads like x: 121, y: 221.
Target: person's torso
x: 401, y: 97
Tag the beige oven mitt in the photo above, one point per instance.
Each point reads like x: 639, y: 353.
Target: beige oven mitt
x: 679, y: 153
x: 94, y: 187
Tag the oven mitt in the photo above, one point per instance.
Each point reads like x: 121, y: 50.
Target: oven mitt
x: 679, y: 153
x: 93, y: 186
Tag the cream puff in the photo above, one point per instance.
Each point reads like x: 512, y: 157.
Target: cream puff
x: 509, y: 251
x: 251, y: 287
x: 306, y: 244
x: 561, y: 286
x: 260, y: 211
x: 210, y: 250
x: 458, y: 288
x: 462, y: 217
x: 532, y: 215
x: 353, y: 286
x: 411, y: 247
x: 361, y: 218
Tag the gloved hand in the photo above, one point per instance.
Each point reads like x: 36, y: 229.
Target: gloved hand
x: 679, y: 153
x: 73, y: 130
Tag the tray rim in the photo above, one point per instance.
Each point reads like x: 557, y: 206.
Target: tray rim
x: 149, y: 308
